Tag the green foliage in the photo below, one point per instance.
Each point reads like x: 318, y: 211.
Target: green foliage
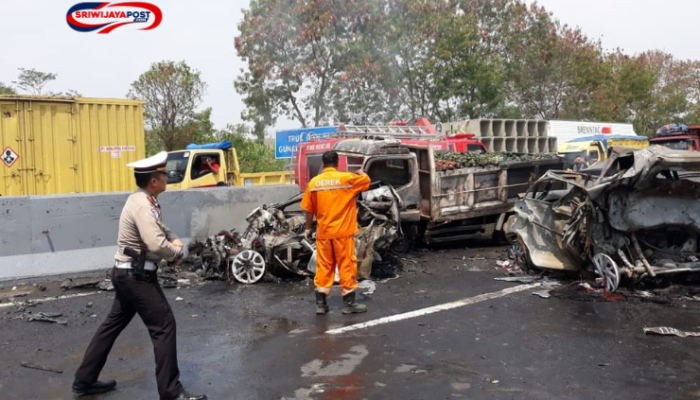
x: 253, y: 156
x: 323, y: 61
x: 173, y: 92
x: 5, y: 89
x: 450, y: 160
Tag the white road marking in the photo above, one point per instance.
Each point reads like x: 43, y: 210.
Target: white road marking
x: 47, y: 299
x: 343, y: 367
x: 434, y: 309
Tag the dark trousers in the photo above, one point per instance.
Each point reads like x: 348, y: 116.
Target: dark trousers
x: 147, y: 299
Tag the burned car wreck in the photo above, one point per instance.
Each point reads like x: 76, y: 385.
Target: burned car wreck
x: 273, y: 242
x: 639, y: 218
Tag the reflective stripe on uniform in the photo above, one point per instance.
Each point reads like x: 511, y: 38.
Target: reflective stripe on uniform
x: 332, y: 188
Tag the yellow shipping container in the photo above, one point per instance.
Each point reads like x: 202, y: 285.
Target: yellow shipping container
x: 53, y: 145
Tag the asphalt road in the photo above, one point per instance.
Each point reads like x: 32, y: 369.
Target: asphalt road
x: 264, y: 341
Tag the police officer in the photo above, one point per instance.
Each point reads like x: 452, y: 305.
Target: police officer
x: 141, y: 229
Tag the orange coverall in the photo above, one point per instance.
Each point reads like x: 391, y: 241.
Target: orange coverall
x: 330, y: 196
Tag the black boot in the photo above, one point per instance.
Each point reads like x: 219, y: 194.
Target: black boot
x: 350, y: 306
x: 321, y: 305
x: 95, y: 388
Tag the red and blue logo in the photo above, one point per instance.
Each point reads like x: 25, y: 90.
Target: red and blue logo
x: 106, y: 17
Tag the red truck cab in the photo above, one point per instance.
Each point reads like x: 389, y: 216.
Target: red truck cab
x: 423, y: 134
x: 680, y: 141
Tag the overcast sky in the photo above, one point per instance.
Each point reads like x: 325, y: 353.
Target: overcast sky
x: 35, y: 35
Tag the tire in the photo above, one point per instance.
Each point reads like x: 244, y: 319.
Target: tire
x: 401, y: 246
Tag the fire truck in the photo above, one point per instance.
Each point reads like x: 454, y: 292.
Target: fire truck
x: 421, y: 135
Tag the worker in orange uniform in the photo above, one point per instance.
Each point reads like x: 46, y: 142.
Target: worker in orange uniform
x: 330, y: 197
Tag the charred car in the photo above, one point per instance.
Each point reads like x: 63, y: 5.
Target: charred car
x: 273, y: 241
x: 638, y: 218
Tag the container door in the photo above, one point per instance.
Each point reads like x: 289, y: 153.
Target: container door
x: 11, y: 182
x: 51, y: 147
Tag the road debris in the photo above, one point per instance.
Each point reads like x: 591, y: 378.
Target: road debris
x: 664, y: 330
x: 519, y: 279
x: 41, y: 367
x: 179, y: 299
x: 102, y: 284
x: 638, y: 218
x: 543, y: 294
x: 45, y: 317
x: 370, y: 287
x: 167, y: 282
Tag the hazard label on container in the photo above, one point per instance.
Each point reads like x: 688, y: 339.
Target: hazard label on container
x: 9, y: 156
x: 112, y: 149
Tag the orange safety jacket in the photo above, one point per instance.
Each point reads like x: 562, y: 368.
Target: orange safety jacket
x: 330, y: 196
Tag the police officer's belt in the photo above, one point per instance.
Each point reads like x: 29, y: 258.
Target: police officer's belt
x: 150, y: 265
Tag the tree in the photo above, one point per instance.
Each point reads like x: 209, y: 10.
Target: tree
x: 549, y: 65
x: 33, y: 81
x: 253, y: 156
x: 67, y: 93
x: 298, y: 52
x: 172, y: 92
x: 623, y: 91
x: 448, y: 55
x: 5, y: 89
x: 199, y: 130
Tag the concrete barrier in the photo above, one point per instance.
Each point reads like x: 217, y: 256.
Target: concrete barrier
x: 51, y: 235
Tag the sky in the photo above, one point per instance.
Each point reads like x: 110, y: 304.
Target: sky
x: 201, y: 33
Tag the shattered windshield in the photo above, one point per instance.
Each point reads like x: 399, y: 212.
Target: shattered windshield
x: 177, y: 166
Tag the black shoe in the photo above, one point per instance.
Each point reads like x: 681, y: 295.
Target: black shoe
x: 187, y: 396
x: 350, y: 306
x: 95, y: 388
x: 321, y: 305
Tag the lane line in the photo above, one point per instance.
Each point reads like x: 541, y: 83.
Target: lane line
x: 47, y: 299
x: 433, y: 309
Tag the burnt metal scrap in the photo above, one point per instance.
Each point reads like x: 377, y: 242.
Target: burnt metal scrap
x: 273, y: 242
x: 639, y: 218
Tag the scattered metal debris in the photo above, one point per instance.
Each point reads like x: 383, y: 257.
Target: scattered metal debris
x: 664, y: 330
x: 41, y: 367
x: 106, y: 285
x: 45, y: 317
x: 640, y: 218
x: 102, y: 284
x: 543, y: 293
x: 520, y: 279
x: 167, y: 282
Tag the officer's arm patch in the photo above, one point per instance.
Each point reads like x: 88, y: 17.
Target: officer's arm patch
x: 155, y: 213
